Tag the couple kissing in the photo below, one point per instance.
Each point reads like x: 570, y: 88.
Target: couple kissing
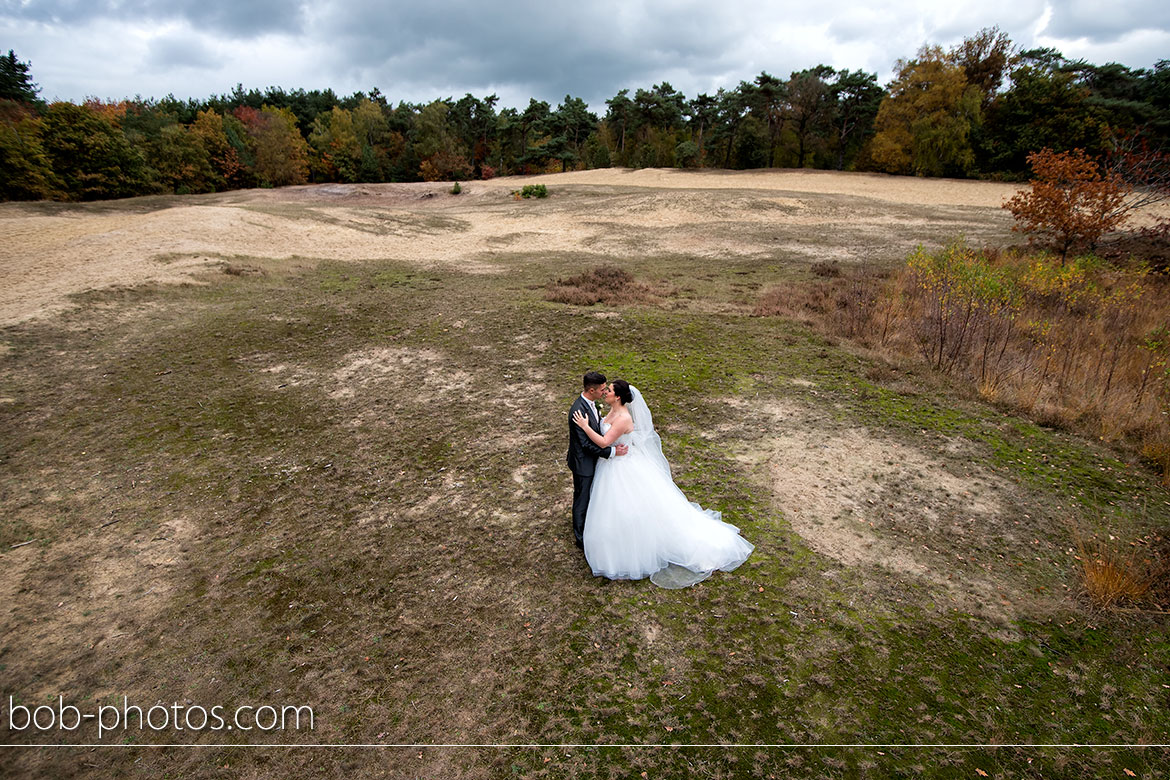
x: 629, y: 517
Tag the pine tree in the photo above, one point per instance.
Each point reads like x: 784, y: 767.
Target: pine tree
x: 15, y: 81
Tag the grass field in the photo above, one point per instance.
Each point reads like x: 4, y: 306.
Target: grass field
x: 339, y: 482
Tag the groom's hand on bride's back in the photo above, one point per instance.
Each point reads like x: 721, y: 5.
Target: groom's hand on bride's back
x: 620, y: 449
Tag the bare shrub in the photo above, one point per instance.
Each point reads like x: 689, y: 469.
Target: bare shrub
x: 845, y: 305
x: 606, y: 284
x: 1145, y: 168
x: 826, y: 270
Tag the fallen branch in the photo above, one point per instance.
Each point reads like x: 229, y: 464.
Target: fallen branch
x: 22, y: 544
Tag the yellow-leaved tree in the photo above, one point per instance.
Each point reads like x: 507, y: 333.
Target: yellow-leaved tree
x: 924, y: 124
x: 281, y: 153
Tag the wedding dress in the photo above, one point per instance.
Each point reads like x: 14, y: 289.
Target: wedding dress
x: 640, y: 524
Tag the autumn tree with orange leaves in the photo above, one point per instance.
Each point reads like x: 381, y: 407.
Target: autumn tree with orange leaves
x: 1071, y: 203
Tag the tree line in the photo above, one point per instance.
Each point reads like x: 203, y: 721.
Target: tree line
x: 976, y: 110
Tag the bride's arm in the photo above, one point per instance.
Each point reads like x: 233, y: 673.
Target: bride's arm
x: 623, y: 426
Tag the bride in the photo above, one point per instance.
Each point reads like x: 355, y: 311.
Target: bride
x: 639, y: 523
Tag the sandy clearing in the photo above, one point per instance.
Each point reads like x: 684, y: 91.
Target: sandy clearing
x: 892, y: 189
x: 841, y: 490
x: 45, y: 258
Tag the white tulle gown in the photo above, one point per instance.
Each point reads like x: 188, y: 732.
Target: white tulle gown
x: 640, y: 524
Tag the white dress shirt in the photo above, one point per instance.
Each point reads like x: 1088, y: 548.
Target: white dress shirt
x: 593, y: 411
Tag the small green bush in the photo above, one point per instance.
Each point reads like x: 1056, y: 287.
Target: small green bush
x: 456, y: 189
x: 534, y: 191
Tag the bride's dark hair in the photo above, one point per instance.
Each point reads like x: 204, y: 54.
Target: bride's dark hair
x: 622, y: 388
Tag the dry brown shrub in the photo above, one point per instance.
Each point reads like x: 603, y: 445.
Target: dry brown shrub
x: 1081, y: 345
x: 826, y: 270
x: 1112, y: 578
x: 854, y: 303
x: 606, y: 284
x: 241, y: 270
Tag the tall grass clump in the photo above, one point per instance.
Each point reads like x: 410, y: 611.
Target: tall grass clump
x: 1076, y: 343
x: 1111, y: 578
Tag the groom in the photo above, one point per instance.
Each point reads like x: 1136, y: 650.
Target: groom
x: 583, y: 453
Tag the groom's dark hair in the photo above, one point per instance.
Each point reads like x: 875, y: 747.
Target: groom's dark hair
x: 593, y: 379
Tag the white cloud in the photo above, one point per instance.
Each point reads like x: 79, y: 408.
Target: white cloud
x: 1138, y: 48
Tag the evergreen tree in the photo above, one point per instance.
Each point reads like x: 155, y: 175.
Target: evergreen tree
x: 732, y: 107
x: 533, y: 124
x: 767, y: 98
x: 619, y: 117
x: 15, y: 81
x: 1045, y: 108
x: 570, y: 125
x: 856, y: 98
x: 809, y: 108
x: 704, y: 113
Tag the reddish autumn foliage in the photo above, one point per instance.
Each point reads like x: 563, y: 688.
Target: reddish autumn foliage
x: 1071, y: 202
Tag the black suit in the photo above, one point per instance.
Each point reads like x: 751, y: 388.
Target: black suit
x: 582, y: 459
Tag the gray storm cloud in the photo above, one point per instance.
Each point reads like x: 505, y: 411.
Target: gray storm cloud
x: 236, y: 18
x: 1106, y: 22
x: 520, y: 48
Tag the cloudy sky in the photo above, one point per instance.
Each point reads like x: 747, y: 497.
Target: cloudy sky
x: 419, y: 50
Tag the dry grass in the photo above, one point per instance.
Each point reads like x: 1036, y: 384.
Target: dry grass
x: 824, y: 269
x: 606, y: 284
x: 1156, y: 451
x: 840, y: 303
x: 1112, y: 578
x: 1082, y: 347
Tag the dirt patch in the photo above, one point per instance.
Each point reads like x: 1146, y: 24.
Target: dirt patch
x: 866, y: 500
x: 891, y: 189
x: 363, y: 370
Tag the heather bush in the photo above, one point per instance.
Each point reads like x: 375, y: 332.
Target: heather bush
x: 607, y: 284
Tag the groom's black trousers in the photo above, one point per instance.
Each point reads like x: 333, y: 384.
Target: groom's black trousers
x: 581, y: 487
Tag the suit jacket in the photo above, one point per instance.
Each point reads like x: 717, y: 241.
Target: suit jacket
x: 583, y: 453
